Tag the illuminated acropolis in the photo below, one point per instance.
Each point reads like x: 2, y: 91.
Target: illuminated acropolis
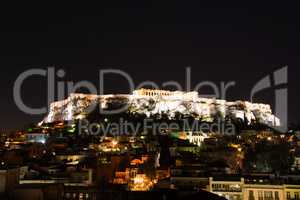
x: 167, y: 102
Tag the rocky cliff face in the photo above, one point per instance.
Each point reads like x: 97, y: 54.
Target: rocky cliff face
x: 170, y: 104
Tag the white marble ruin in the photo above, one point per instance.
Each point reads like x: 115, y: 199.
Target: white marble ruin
x: 158, y: 102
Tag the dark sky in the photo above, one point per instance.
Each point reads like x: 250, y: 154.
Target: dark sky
x: 150, y: 41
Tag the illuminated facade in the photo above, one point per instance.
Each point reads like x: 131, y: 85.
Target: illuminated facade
x: 158, y: 102
x: 36, y: 137
x: 165, y: 94
x: 239, y: 189
x: 230, y: 189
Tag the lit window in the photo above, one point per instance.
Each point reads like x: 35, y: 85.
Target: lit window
x: 268, y: 195
x: 68, y: 195
x: 296, y: 195
x: 251, y: 195
x: 260, y: 195
x: 288, y: 195
x: 276, y: 195
x: 80, y: 196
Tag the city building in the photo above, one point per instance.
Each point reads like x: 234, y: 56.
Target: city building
x: 229, y: 187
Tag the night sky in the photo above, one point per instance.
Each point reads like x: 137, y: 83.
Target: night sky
x: 150, y: 41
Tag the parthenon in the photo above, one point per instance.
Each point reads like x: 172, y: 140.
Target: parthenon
x: 150, y: 92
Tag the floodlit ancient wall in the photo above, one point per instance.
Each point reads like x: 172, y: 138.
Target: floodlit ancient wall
x: 153, y: 102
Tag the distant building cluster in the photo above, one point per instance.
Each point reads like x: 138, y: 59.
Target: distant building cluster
x: 59, y: 159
